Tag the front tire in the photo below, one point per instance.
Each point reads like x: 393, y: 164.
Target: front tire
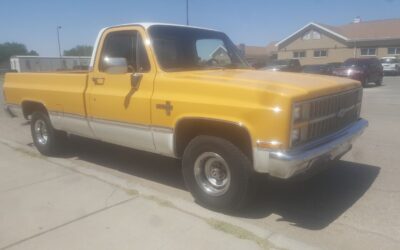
x: 216, y: 172
x: 47, y: 140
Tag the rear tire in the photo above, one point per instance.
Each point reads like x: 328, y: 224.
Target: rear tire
x: 216, y: 172
x: 47, y: 140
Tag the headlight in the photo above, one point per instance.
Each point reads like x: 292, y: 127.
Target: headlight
x: 300, y: 114
x: 296, y: 113
x: 295, y: 134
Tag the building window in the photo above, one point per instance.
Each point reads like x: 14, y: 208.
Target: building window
x: 394, y: 51
x: 320, y: 53
x: 312, y: 35
x: 368, y: 51
x: 299, y: 54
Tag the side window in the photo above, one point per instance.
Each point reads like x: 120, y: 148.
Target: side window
x: 128, y: 45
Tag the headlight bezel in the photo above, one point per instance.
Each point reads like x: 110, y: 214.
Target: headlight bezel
x: 300, y: 117
x: 296, y: 112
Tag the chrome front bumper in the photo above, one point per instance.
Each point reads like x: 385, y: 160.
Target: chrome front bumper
x: 285, y: 164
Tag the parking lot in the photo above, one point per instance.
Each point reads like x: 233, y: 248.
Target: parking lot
x: 354, y: 204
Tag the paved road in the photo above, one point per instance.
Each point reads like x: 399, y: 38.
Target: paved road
x: 353, y: 205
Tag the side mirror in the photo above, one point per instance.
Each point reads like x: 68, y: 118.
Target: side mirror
x: 115, y: 65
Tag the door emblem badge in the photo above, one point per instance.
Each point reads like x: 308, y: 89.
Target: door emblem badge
x: 167, y: 107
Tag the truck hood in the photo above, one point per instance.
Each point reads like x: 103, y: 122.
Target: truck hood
x: 298, y: 85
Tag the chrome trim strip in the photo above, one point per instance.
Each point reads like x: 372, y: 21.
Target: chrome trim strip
x: 119, y: 123
x: 162, y: 129
x: 72, y: 115
x: 132, y: 136
x: 155, y: 139
x: 71, y: 123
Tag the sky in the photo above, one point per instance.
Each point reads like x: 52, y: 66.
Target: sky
x: 252, y: 22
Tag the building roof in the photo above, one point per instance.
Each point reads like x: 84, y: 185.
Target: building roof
x: 361, y: 31
x: 369, y: 30
x: 256, y: 51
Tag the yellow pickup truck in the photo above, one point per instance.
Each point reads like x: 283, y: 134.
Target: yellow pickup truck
x: 187, y: 92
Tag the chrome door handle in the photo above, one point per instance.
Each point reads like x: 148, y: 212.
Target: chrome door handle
x: 98, y: 80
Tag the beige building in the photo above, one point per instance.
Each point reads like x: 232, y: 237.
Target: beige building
x: 259, y: 55
x: 319, y: 43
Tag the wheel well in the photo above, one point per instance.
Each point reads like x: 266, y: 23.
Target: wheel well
x: 188, y: 129
x: 29, y: 107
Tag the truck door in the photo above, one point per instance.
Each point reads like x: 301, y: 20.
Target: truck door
x: 120, y: 88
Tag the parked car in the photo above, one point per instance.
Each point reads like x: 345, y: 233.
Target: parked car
x: 289, y: 65
x: 225, y: 120
x: 391, y: 65
x: 330, y: 67
x: 365, y: 70
x: 320, y: 69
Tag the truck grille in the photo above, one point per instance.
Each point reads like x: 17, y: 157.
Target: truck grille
x: 329, y: 114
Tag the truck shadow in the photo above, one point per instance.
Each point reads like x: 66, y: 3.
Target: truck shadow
x: 315, y: 202
x: 312, y: 204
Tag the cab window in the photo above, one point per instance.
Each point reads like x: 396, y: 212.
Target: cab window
x: 128, y: 45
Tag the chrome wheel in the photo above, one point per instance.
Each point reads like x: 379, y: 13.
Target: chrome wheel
x: 41, y: 133
x: 212, y: 173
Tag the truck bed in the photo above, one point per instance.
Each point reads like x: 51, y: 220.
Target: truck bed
x: 58, y: 92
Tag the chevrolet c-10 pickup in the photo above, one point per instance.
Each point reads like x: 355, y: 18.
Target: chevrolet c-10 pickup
x: 188, y: 93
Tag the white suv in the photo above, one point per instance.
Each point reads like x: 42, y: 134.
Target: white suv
x: 390, y: 65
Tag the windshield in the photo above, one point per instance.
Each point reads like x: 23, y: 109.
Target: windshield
x: 183, y: 48
x: 351, y: 63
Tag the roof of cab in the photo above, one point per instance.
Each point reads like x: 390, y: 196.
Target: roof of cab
x: 147, y: 25
x: 144, y: 25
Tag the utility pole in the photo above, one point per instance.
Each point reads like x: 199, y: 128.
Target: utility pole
x: 187, y: 12
x: 58, y: 39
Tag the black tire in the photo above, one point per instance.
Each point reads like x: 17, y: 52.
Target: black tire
x: 55, y: 139
x: 235, y: 196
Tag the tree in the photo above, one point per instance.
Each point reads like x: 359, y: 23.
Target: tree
x: 79, y: 50
x: 8, y: 50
